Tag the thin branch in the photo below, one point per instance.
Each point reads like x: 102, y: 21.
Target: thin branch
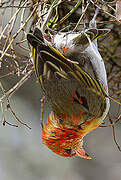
x: 68, y: 14
x: 11, y: 19
x: 81, y: 17
x: 10, y: 108
x: 3, y: 116
x: 18, y: 85
x: 16, y: 34
x: 114, y: 135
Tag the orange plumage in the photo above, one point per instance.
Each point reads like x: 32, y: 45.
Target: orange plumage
x: 66, y: 141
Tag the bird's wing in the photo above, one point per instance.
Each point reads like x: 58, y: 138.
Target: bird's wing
x: 70, y: 90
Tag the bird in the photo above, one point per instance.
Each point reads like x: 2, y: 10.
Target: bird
x: 72, y: 75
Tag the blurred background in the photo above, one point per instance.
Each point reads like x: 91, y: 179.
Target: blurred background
x: 22, y: 154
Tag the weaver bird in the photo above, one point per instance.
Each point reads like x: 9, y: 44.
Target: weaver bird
x: 73, y: 77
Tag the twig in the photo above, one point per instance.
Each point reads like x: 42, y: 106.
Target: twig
x: 16, y: 6
x: 22, y: 41
x: 15, y: 35
x: 81, y: 17
x: 42, y: 110
x: 4, y: 122
x: 44, y: 24
x: 11, y: 110
x: 68, y: 14
x: 2, y: 109
x: 18, y: 85
x: 11, y: 19
x: 14, y: 125
x: 102, y: 9
x: 9, y: 32
x: 24, y: 48
x: 114, y: 135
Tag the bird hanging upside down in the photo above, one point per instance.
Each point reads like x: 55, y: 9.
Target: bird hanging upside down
x: 73, y: 77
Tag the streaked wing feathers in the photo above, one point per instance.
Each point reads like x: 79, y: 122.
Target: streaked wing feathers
x: 60, y: 78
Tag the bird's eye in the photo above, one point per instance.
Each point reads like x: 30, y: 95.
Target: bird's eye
x: 68, y: 151
x: 60, y: 120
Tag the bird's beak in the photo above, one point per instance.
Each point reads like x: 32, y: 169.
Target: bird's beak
x: 81, y: 153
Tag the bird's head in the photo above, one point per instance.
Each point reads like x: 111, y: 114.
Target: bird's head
x: 63, y: 141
